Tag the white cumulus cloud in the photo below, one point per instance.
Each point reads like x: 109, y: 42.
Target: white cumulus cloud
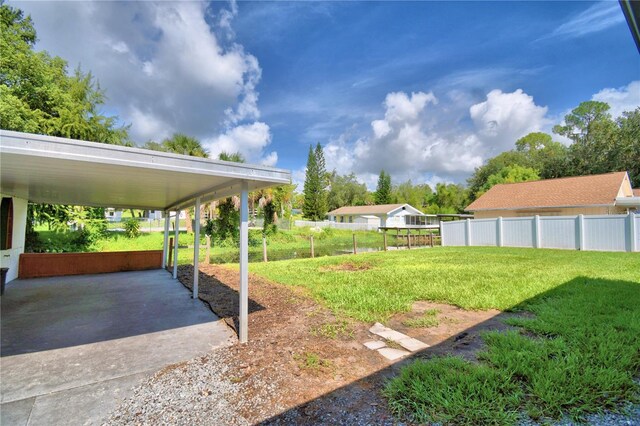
x: 250, y: 140
x: 505, y: 117
x: 626, y: 98
x: 166, y: 66
x: 414, y: 139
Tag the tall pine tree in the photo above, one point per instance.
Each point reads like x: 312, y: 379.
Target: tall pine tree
x: 383, y: 190
x: 315, y: 198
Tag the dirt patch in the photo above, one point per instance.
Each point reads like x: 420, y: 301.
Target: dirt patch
x: 457, y: 331
x: 347, y: 266
x: 304, y: 365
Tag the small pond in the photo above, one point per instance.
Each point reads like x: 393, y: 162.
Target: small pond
x: 285, y: 254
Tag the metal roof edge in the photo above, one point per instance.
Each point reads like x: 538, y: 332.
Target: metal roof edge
x: 75, y: 143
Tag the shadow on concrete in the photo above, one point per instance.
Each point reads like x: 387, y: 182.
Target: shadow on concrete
x: 51, y: 313
x: 361, y: 402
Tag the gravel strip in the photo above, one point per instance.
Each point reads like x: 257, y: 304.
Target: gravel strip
x: 190, y: 393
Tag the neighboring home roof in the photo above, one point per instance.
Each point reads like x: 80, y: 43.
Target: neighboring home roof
x: 636, y: 192
x: 362, y: 210
x: 593, y: 190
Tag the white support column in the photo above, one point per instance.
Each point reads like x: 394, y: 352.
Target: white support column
x: 175, y: 245
x: 196, y: 251
x: 499, y: 231
x: 165, y: 244
x: 244, y: 263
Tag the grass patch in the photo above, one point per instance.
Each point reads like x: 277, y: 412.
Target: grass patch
x: 312, y: 361
x: 577, y: 355
x: 453, y: 391
x: 468, y: 277
x: 333, y: 330
x: 394, y: 345
x: 428, y: 319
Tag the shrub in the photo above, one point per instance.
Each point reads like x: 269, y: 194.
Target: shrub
x: 132, y: 228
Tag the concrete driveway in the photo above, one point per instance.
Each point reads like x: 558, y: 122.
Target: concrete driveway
x: 73, y: 347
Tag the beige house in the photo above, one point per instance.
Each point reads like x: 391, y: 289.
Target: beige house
x: 609, y: 193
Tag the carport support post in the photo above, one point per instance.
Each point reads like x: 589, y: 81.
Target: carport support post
x: 166, y: 239
x: 244, y: 263
x: 175, y: 245
x: 196, y: 250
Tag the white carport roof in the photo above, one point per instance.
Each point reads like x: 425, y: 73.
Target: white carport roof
x: 54, y: 170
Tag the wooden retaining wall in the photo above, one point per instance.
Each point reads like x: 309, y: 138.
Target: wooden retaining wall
x: 35, y: 265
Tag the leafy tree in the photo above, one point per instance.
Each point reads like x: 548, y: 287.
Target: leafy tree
x: 38, y: 96
x: 543, y: 154
x: 510, y: 174
x: 593, y: 133
x: 416, y: 195
x: 345, y: 191
x: 580, y: 124
x: 449, y: 198
x: 383, y: 190
x: 627, y: 154
x: 478, y: 180
x: 600, y: 144
x: 315, y: 198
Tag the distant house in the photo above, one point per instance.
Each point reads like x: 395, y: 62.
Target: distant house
x: 115, y: 215
x: 609, y: 193
x: 383, y: 215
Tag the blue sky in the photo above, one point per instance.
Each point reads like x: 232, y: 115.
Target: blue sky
x: 427, y: 90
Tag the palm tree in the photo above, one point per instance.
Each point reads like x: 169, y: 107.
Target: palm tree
x: 180, y: 143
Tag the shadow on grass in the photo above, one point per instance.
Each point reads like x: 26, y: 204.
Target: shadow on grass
x: 572, y: 351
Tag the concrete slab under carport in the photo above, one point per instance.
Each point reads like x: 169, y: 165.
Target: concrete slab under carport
x: 73, y: 347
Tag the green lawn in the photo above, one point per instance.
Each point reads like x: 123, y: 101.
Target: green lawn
x: 472, y: 278
x: 578, y: 354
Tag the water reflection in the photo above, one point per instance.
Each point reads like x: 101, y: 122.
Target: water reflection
x: 285, y: 254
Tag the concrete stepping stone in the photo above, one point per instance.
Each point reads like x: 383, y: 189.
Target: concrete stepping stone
x: 403, y: 340
x: 392, y: 354
x: 375, y: 344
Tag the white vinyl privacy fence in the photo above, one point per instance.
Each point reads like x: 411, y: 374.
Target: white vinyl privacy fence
x: 601, y: 233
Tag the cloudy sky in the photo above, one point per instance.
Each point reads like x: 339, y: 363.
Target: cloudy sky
x: 426, y: 90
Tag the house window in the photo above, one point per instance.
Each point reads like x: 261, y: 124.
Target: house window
x: 350, y: 219
x: 341, y: 219
x: 6, y: 223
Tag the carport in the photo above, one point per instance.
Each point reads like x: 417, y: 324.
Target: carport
x: 45, y: 169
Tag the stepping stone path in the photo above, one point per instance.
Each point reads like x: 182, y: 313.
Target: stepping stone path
x: 408, y: 343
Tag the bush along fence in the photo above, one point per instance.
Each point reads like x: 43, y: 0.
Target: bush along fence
x: 597, y: 233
